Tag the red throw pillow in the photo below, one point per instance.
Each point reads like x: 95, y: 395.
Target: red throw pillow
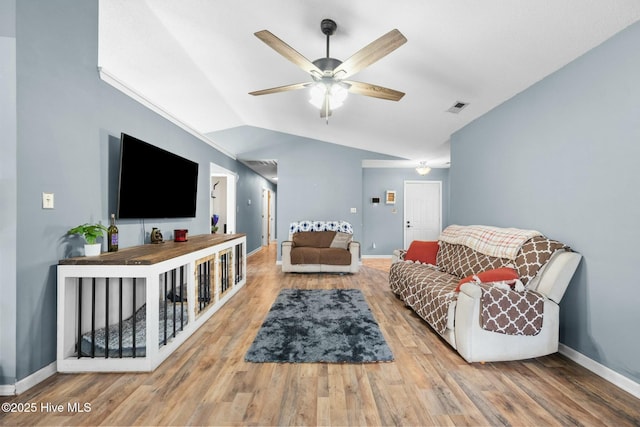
x: 422, y: 251
x: 496, y: 275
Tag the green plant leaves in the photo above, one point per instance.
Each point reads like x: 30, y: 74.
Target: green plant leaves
x: 90, y: 232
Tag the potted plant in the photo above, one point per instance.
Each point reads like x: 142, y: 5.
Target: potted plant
x: 90, y: 232
x: 214, y: 223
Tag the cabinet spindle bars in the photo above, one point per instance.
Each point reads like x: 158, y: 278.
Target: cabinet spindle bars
x: 204, y: 280
x: 96, y: 335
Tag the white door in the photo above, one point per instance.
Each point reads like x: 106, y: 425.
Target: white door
x: 422, y: 211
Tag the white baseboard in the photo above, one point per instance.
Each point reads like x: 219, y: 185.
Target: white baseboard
x: 255, y: 251
x: 608, y: 374
x: 36, y: 378
x: 376, y: 256
x: 7, y: 390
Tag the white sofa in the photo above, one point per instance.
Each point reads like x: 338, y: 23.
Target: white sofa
x: 460, y: 322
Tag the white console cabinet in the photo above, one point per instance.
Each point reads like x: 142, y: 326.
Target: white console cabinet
x: 129, y: 310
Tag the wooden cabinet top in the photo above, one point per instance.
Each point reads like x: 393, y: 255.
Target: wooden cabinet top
x: 153, y: 253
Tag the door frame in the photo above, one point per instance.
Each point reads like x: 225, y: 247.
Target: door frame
x: 232, y: 179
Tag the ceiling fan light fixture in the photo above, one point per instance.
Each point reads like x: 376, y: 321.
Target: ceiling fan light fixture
x: 423, y: 169
x: 336, y: 91
x: 337, y: 95
x: 317, y: 92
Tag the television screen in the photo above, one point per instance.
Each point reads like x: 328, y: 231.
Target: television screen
x: 155, y: 183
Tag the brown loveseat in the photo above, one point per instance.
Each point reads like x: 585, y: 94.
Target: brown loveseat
x: 309, y: 251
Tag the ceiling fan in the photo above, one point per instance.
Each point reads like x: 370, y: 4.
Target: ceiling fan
x: 328, y: 86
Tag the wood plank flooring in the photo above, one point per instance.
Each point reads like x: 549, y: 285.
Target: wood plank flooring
x: 207, y: 382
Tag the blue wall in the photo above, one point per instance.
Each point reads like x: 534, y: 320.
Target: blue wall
x: 381, y: 224
x: 562, y: 158
x: 249, y: 215
x: 316, y: 181
x: 323, y: 181
x: 8, y: 192
x: 68, y: 123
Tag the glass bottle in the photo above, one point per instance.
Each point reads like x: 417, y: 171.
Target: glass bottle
x: 112, y: 235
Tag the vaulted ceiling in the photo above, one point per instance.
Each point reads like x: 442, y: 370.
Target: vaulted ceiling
x: 199, y: 59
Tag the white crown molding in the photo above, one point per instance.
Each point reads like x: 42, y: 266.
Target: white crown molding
x: 402, y: 164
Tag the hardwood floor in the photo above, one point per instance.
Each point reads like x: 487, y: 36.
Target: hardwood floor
x: 207, y: 382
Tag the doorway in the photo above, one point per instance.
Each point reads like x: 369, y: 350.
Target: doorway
x: 223, y: 199
x: 268, y: 217
x: 422, y: 211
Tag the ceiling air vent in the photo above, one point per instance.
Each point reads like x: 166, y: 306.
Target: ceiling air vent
x: 457, y: 107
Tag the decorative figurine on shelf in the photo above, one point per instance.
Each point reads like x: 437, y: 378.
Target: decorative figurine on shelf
x: 156, y: 236
x: 214, y: 223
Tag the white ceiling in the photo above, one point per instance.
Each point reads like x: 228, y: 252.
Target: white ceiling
x: 198, y: 59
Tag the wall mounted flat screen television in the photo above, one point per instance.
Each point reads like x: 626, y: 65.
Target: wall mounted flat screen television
x: 155, y: 183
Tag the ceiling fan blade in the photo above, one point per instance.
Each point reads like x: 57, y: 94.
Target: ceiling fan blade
x: 369, y: 54
x: 288, y: 52
x: 374, y: 91
x: 286, y: 88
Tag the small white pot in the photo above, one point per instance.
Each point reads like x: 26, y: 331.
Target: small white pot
x: 92, y: 250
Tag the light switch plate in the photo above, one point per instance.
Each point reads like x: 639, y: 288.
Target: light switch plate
x: 354, y: 210
x: 47, y: 200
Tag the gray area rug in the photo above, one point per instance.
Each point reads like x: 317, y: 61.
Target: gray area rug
x: 319, y: 325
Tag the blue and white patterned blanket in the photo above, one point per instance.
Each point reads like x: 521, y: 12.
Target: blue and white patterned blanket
x: 306, y: 225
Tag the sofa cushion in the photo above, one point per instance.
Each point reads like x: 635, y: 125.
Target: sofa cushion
x: 423, y: 251
x: 328, y: 256
x: 341, y: 240
x: 425, y: 289
x: 313, y: 239
x: 489, y: 276
x: 463, y: 261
